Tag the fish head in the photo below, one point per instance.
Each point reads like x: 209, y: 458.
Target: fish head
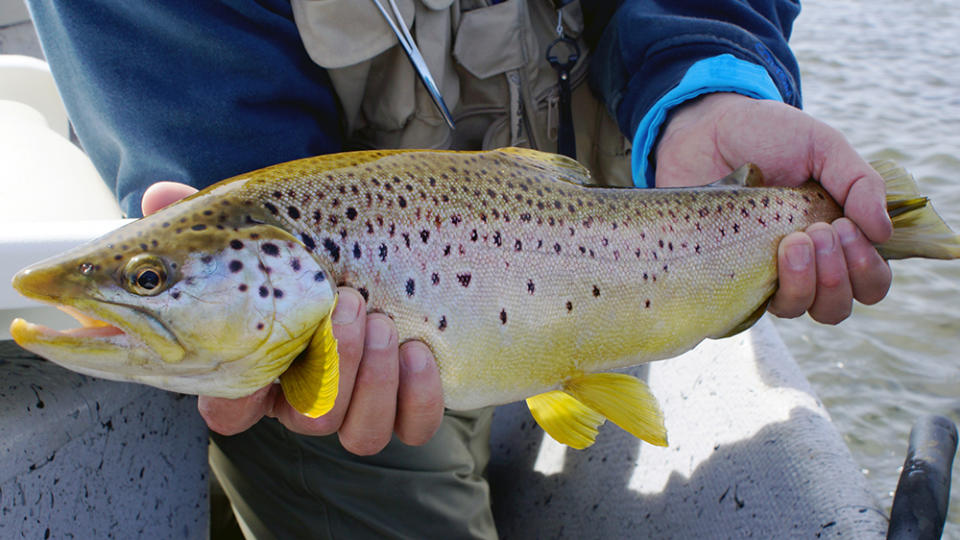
x: 184, y: 304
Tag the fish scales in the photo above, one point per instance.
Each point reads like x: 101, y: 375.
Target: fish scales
x: 490, y: 257
x: 525, y: 282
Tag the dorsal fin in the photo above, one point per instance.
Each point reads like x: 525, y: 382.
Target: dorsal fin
x: 557, y: 166
x: 748, y: 175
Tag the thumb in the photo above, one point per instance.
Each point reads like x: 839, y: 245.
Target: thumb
x: 164, y: 194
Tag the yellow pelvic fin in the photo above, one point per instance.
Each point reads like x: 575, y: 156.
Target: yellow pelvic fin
x: 310, y: 383
x: 565, y: 419
x: 625, y: 400
x: 917, y: 229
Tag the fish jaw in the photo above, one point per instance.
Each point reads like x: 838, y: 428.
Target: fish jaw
x: 110, y: 335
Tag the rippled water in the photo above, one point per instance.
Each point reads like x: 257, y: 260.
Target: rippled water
x: 887, y: 74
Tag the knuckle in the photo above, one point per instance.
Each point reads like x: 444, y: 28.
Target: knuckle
x: 363, y: 446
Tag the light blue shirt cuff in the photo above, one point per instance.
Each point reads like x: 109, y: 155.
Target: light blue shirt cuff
x: 723, y: 73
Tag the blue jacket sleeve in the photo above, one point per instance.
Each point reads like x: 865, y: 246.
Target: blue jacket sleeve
x: 187, y: 91
x: 647, y: 48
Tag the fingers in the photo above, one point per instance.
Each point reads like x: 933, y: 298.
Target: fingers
x: 369, y: 422
x: 349, y: 327
x: 853, y: 183
x: 383, y: 388
x: 824, y: 269
x: 870, y: 275
x: 232, y: 416
x: 834, y: 297
x: 798, y: 277
x: 419, y: 397
x: 163, y: 194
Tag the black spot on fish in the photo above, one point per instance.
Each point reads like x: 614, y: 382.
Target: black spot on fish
x: 497, y: 240
x: 556, y: 247
x: 410, y: 287
x: 175, y: 294
x: 443, y: 323
x: 293, y: 212
x: 264, y: 292
x: 596, y: 290
x: 646, y: 304
x: 308, y: 241
x: 424, y: 235
x: 319, y: 277
x: 332, y: 249
x: 473, y: 235
x: 259, y: 326
x: 199, y: 227
x: 464, y: 279
x: 569, y: 306
x: 271, y: 208
x: 364, y: 293
x: 401, y: 201
x: 356, y: 250
x: 435, y: 278
x: 351, y: 213
x: 503, y: 316
x: 446, y: 250
x: 271, y: 249
x: 235, y: 266
x: 242, y: 287
x: 383, y: 252
x: 277, y: 293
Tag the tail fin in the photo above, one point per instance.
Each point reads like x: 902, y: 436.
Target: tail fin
x: 917, y: 229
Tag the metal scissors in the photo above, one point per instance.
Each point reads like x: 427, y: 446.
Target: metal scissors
x: 413, y: 53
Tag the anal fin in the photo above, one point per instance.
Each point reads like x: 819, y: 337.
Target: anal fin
x: 311, y: 382
x: 572, y: 415
x: 567, y: 420
x: 625, y: 400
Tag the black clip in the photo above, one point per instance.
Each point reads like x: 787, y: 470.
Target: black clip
x: 573, y: 54
x: 566, y: 139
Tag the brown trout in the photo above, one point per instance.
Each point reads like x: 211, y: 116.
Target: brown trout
x: 525, y: 282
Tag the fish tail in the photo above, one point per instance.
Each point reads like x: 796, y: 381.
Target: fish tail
x: 918, y: 231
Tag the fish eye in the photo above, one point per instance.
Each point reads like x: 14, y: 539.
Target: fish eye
x: 146, y: 275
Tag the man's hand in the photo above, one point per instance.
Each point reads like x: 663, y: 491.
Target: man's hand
x: 385, y: 387
x: 825, y: 267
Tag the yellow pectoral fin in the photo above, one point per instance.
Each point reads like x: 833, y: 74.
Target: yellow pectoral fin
x: 565, y: 419
x: 624, y: 400
x: 310, y: 383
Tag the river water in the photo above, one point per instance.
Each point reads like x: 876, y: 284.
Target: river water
x: 887, y: 74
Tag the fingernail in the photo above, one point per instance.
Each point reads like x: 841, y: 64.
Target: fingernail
x: 415, y: 358
x: 378, y: 333
x: 846, y: 230
x: 347, y: 309
x: 798, y: 256
x: 823, y: 239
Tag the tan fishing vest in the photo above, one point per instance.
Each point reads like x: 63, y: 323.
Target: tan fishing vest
x: 489, y: 63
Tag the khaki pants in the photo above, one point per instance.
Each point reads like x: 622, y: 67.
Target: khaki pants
x: 285, y: 485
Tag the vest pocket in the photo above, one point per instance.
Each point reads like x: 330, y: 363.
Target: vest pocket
x: 492, y: 40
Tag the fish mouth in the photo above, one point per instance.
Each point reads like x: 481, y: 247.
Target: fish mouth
x: 109, y: 337
x: 90, y: 328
